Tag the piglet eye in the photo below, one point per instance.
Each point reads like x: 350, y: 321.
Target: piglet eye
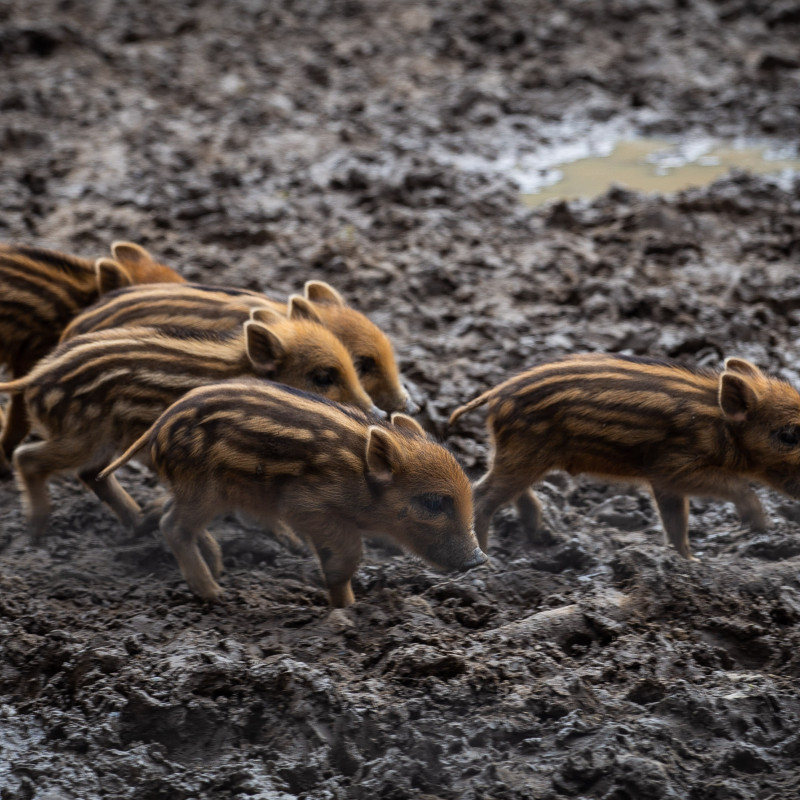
x: 790, y: 436
x: 434, y: 504
x: 324, y: 377
x: 365, y: 365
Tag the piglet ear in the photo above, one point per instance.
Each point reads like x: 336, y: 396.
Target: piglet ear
x: 736, y: 397
x: 267, y: 316
x: 110, y: 275
x: 130, y: 253
x: 300, y: 308
x: 408, y: 424
x: 140, y: 265
x: 264, y: 347
x: 324, y: 293
x: 742, y: 367
x: 381, y: 455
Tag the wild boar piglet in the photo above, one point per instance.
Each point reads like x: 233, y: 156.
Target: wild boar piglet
x: 331, y: 473
x: 683, y: 432
x: 40, y: 292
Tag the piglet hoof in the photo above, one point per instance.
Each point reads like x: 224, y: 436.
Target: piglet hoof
x: 211, y: 593
x: 37, y: 530
x: 544, y: 537
x: 6, y: 473
x: 756, y: 523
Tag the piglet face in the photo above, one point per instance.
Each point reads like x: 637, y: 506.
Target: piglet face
x: 764, y: 418
x: 368, y: 345
x: 303, y: 354
x: 423, y: 496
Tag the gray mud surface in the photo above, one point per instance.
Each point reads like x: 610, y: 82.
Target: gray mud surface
x: 263, y: 144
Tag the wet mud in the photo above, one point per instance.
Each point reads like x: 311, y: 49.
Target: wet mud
x: 264, y: 144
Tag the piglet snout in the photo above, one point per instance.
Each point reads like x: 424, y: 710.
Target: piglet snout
x: 476, y: 558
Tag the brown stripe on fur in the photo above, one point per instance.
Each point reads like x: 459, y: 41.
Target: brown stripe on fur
x: 587, y: 368
x: 156, y: 305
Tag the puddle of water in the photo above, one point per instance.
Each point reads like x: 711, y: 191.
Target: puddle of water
x: 651, y: 165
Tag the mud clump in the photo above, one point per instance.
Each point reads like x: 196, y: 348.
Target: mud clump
x: 263, y: 145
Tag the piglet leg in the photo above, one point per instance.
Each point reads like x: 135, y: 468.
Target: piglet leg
x: 35, y: 463
x: 113, y: 495
x: 674, y: 512
x: 339, y: 553
x: 14, y: 431
x: 748, y: 506
x: 184, y: 529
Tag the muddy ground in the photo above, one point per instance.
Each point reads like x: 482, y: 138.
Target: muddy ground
x: 262, y: 144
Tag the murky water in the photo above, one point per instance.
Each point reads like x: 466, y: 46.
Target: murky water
x: 652, y: 165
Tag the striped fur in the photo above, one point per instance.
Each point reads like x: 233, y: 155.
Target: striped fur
x: 187, y: 305
x: 683, y: 432
x: 219, y: 308
x: 329, y: 472
x: 96, y: 393
x: 40, y: 292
